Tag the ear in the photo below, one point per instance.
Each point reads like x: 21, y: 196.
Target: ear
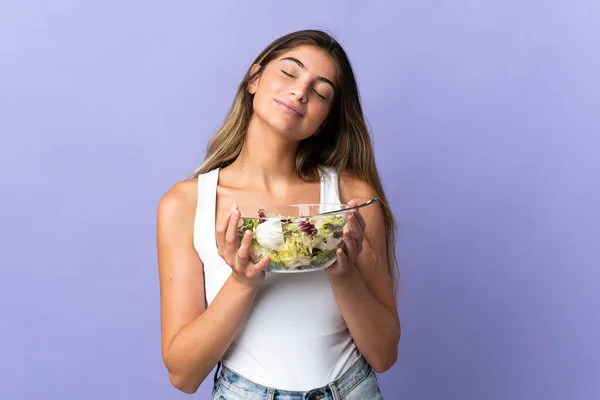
x: 253, y: 84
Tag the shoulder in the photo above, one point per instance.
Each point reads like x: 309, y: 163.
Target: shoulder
x: 354, y: 187
x: 179, y: 201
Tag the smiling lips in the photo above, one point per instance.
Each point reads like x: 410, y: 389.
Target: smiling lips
x: 289, y: 107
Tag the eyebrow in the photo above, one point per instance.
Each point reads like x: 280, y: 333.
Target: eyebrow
x: 299, y: 63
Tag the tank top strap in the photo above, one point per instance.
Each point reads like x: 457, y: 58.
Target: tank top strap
x: 330, y: 188
x: 205, y: 220
x: 209, y: 193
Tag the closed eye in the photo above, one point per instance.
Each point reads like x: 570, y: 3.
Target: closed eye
x: 314, y: 90
x: 319, y: 94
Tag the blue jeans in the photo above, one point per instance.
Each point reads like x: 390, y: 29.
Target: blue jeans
x: 359, y: 382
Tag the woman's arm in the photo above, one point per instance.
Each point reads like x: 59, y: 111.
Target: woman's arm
x: 364, y: 289
x: 193, y: 337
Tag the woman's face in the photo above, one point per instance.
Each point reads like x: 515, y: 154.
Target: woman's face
x: 294, y: 92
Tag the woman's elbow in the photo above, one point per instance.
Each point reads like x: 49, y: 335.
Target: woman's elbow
x: 388, y: 357
x: 183, y: 384
x: 180, y: 376
x: 385, y: 362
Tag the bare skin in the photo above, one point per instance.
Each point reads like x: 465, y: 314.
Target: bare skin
x: 194, y: 337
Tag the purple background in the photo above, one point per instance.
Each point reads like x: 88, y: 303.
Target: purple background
x: 487, y: 133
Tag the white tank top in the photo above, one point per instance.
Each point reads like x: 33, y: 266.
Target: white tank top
x: 294, y: 336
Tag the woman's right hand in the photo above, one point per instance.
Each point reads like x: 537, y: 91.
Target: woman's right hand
x: 238, y: 258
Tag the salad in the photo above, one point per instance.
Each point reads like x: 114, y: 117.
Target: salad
x: 294, y: 243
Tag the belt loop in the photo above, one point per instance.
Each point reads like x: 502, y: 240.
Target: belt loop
x: 270, y: 394
x: 334, y: 391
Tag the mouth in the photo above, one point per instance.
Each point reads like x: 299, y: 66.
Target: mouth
x: 289, y: 106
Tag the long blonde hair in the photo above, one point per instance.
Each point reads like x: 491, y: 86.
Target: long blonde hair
x: 344, y: 142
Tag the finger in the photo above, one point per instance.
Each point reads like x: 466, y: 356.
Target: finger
x: 353, y: 203
x: 231, y: 236
x: 261, y: 265
x: 358, y: 232
x: 351, y: 246
x: 356, y: 239
x: 243, y: 253
x: 342, y: 259
x: 359, y: 218
x: 354, y: 224
x: 221, y: 230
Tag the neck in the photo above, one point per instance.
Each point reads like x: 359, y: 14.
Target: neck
x: 267, y: 159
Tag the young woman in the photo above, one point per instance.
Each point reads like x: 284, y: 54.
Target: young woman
x: 295, y: 134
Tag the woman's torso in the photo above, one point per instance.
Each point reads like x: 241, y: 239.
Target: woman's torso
x: 294, y: 336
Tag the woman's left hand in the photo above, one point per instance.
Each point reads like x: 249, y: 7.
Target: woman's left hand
x: 354, y: 234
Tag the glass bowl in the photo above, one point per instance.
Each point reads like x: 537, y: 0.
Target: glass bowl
x: 295, y: 237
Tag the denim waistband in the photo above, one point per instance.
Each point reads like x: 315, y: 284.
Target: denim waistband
x: 245, y: 388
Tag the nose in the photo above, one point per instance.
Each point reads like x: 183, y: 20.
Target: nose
x: 300, y: 90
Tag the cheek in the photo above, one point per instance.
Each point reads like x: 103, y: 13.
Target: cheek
x: 320, y: 113
x: 261, y: 99
x: 267, y: 90
x: 270, y: 84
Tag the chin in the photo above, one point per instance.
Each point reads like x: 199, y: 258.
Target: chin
x: 290, y: 128
x: 287, y: 130
x: 290, y: 134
